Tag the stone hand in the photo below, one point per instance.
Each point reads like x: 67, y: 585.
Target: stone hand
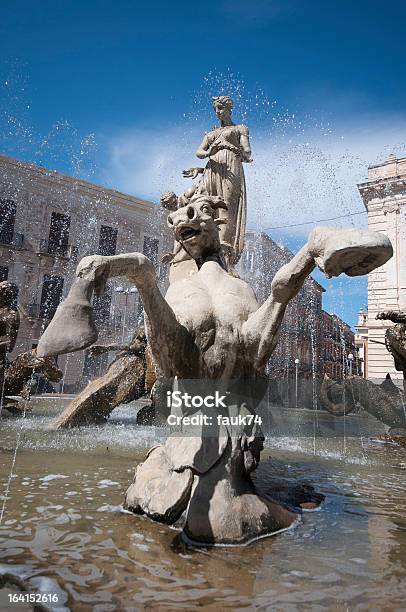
x: 192, y: 172
x: 98, y: 268
x: 349, y: 251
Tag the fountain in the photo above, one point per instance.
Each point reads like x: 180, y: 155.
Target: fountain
x: 209, y: 333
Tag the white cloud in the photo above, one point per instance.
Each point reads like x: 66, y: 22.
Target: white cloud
x: 298, y: 175
x: 146, y: 163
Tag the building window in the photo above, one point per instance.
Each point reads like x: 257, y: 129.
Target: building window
x: 94, y: 366
x: 150, y: 249
x: 51, y: 295
x: 102, y: 307
x: 3, y: 273
x: 58, y: 234
x: 107, y: 240
x: 7, y: 221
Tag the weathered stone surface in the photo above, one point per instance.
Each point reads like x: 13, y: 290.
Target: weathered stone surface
x: 123, y: 382
x: 198, y: 453
x: 352, y: 251
x: 9, y: 325
x: 19, y: 372
x: 395, y: 340
x: 148, y: 415
x: 386, y: 401
x: 225, y: 508
x: 72, y: 327
x: 355, y: 391
x: 158, y: 491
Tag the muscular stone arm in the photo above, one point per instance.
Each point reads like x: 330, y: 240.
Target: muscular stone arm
x: 171, y: 345
x: 262, y: 327
x: 98, y: 349
x: 353, y: 252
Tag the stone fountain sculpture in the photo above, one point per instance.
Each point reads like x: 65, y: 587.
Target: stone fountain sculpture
x: 226, y: 147
x: 18, y: 378
x: 386, y: 402
x: 395, y: 340
x: 209, y: 328
x: 9, y: 325
x: 123, y: 382
x: 15, y: 376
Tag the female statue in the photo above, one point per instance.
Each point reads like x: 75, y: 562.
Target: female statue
x: 227, y: 147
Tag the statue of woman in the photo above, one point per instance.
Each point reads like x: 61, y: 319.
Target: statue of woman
x: 227, y: 147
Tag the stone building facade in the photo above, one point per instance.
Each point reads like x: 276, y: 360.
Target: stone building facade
x: 384, y: 197
x: 361, y: 342
x: 48, y: 221
x: 338, y: 354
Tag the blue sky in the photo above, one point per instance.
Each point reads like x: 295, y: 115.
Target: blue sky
x: 118, y: 92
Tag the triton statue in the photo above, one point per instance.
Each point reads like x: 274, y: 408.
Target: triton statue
x: 209, y: 327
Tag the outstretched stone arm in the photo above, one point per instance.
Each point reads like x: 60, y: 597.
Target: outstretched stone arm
x: 99, y: 349
x: 172, y: 347
x: 261, y: 330
x: 333, y: 251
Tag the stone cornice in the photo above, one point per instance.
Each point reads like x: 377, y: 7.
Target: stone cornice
x: 382, y: 188
x: 91, y: 190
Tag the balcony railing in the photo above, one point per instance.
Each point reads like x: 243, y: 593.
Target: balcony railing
x: 56, y: 249
x: 15, y: 241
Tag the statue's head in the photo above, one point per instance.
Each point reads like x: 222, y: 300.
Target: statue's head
x: 195, y: 226
x: 169, y: 200
x: 223, y: 106
x: 8, y: 294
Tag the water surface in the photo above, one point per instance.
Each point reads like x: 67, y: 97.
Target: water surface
x: 64, y: 529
